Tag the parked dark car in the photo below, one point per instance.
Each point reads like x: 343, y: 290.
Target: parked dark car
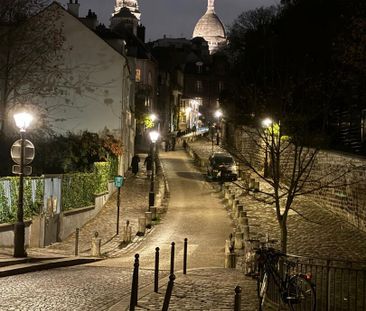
x: 222, y: 166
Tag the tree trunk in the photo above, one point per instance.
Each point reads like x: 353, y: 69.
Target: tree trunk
x: 283, y: 226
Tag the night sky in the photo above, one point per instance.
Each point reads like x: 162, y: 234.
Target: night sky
x: 174, y: 18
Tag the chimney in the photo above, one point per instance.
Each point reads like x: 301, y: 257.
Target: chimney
x: 73, y: 8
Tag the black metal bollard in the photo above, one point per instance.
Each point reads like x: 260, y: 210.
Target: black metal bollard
x: 237, y: 303
x: 135, y: 283
x: 77, y: 241
x: 168, y: 293
x: 172, y: 258
x: 156, y: 272
x: 185, y: 256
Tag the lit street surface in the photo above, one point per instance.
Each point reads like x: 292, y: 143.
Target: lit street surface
x: 194, y: 212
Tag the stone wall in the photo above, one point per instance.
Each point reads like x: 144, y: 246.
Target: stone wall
x: 346, y: 196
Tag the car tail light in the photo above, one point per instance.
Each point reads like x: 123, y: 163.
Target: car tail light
x: 308, y: 276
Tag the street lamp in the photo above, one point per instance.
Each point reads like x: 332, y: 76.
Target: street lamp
x: 266, y: 123
x: 22, y: 121
x: 218, y: 115
x: 153, y: 117
x: 154, y: 135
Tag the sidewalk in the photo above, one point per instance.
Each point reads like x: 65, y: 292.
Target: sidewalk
x: 317, y: 233
x: 133, y: 204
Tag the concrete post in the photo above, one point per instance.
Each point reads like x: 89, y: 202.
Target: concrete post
x: 230, y: 261
x: 249, y: 257
x: 129, y: 234
x: 96, y: 245
x: 231, y: 201
x: 227, y: 193
x: 246, y: 232
x: 239, y: 209
x: 141, y: 226
x: 235, y: 208
x: 256, y: 186
x: 238, y: 240
x: 153, y: 212
x: 148, y: 217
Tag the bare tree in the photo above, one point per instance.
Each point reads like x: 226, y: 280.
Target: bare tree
x: 288, y: 170
x: 29, y: 53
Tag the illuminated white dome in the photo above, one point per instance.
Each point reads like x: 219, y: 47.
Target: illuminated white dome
x: 210, y: 28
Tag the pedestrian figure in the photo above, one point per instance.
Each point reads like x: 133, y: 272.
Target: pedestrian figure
x: 135, y: 164
x: 148, y: 164
x: 173, y: 143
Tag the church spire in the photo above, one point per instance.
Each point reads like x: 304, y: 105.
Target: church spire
x: 211, y: 6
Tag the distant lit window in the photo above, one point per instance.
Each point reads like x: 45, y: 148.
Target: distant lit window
x: 199, y: 86
x: 149, y: 78
x: 138, y: 75
x: 199, y: 67
x: 363, y: 125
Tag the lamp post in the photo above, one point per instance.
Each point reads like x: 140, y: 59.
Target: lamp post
x: 154, y: 135
x: 22, y: 121
x: 266, y: 123
x: 218, y: 115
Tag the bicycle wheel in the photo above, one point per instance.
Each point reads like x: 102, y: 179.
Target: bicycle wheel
x: 300, y: 294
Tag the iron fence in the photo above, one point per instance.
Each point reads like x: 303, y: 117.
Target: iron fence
x: 339, y: 285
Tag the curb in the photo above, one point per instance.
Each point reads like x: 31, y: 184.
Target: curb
x: 38, y: 264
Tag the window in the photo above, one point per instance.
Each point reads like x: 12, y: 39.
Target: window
x: 199, y: 86
x: 149, y: 78
x: 138, y: 75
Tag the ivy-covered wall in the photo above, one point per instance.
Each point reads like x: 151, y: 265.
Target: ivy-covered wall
x: 9, y: 192
x: 77, y: 189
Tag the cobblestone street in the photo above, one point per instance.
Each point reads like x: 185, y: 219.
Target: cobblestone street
x: 206, y: 289
x: 105, y: 285
x: 76, y: 288
x: 316, y: 233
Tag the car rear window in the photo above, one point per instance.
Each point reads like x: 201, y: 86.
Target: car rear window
x: 223, y: 160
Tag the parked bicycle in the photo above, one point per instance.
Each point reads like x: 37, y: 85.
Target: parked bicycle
x: 296, y: 290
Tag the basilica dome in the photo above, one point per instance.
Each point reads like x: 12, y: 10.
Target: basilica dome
x: 210, y: 28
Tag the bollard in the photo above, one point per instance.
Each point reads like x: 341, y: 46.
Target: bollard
x: 129, y: 234
x: 148, y: 216
x: 153, y: 212
x: 235, y: 208
x: 124, y: 234
x: 230, y: 260
x: 172, y: 258
x: 185, y: 249
x: 256, y: 186
x: 168, y: 293
x: 237, y: 299
x: 246, y: 232
x: 77, y: 241
x: 231, y: 201
x: 135, y: 283
x: 142, y: 226
x: 238, y: 240
x: 96, y: 245
x: 156, y: 272
x: 239, y: 208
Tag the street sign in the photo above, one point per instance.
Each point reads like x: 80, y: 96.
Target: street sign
x: 27, y: 170
x: 29, y: 151
x: 118, y: 181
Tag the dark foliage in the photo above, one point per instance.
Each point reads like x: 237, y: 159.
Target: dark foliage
x: 64, y: 154
x: 301, y: 63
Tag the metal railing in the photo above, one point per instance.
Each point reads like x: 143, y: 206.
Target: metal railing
x: 339, y: 285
